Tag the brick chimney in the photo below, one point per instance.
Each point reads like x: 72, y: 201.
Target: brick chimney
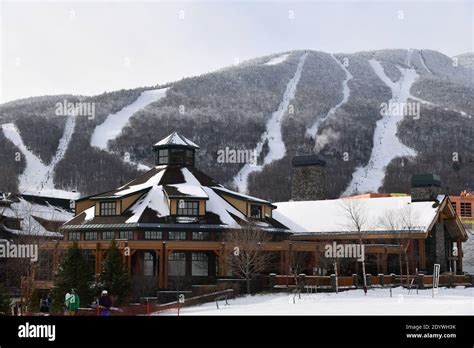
x: 308, y: 182
x: 425, y: 187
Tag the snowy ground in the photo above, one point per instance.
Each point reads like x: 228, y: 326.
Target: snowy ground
x: 386, y: 145
x: 272, y: 134
x: 458, y: 301
x: 346, y: 92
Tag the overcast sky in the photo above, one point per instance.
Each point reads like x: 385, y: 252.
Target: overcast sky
x: 88, y: 48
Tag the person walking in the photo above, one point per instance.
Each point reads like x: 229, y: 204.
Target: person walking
x: 104, y: 304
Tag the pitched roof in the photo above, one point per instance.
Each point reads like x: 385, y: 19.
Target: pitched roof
x: 172, y: 181
x: 176, y: 140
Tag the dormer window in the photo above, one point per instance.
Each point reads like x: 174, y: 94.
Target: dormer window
x: 188, y: 208
x: 107, y: 208
x: 256, y: 211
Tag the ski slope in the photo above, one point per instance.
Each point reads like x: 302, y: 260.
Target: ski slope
x: 114, y: 123
x: 386, y: 145
x: 457, y: 301
x: 278, y: 60
x: 38, y: 178
x: 346, y: 92
x: 272, y: 134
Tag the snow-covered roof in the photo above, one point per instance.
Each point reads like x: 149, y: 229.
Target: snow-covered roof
x: 176, y: 139
x: 160, y: 184
x: 31, y: 213
x: 379, y: 215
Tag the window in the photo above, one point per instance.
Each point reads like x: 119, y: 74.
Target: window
x: 126, y: 235
x: 200, y: 265
x: 466, y: 209
x: 256, y: 211
x: 74, y: 235
x: 177, y: 264
x: 173, y: 235
x: 177, y: 156
x: 153, y: 235
x: 189, y: 160
x: 188, y: 208
x: 200, y: 235
x: 453, y: 204
x: 90, y: 235
x: 108, y: 235
x: 148, y: 264
x: 107, y: 208
x: 163, y: 156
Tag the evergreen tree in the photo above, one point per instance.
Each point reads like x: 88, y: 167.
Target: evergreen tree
x: 4, y: 301
x: 74, y: 272
x: 115, y: 278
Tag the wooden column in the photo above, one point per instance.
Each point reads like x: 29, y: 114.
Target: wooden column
x: 317, y: 260
x: 165, y: 267
x: 422, y: 255
x: 158, y: 268
x: 459, y: 265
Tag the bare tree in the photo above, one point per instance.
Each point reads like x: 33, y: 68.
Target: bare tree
x: 355, y: 216
x: 248, y: 258
x: 298, y: 262
x: 401, y: 221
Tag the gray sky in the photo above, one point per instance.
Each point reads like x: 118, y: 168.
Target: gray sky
x: 92, y: 47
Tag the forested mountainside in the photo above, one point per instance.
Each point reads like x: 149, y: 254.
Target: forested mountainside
x: 289, y: 103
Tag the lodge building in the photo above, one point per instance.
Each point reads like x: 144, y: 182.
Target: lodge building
x: 171, y: 223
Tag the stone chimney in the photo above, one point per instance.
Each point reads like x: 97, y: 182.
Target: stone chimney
x: 308, y: 182
x: 425, y: 187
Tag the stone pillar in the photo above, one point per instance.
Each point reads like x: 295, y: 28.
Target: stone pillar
x: 440, y: 247
x: 369, y: 279
x: 308, y: 178
x: 420, y: 280
x: 271, y: 279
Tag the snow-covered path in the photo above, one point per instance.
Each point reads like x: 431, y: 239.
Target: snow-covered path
x: 422, y: 59
x: 272, y: 134
x: 37, y: 178
x: 114, y: 123
x: 346, y: 92
x: 457, y: 301
x: 386, y: 145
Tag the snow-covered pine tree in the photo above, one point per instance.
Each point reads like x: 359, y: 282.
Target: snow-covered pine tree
x: 114, y: 277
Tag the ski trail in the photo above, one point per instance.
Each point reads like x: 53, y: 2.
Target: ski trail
x: 61, y: 151
x: 426, y: 102
x: 272, y: 134
x: 386, y: 145
x: 278, y: 60
x: 346, y: 92
x: 114, y: 123
x: 423, y: 62
x: 37, y: 178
